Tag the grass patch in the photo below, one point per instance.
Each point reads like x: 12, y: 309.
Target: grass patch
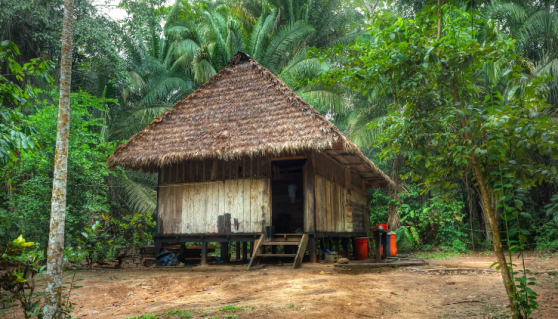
x: 171, y: 314
x: 232, y: 308
x: 435, y: 254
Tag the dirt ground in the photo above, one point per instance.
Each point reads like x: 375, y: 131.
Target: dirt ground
x: 313, y: 291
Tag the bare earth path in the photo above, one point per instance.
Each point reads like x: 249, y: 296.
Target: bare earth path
x: 313, y: 291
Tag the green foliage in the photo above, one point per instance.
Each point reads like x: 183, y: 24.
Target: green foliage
x: 18, y: 280
x: 21, y: 269
x: 448, y: 120
x: 95, y: 242
x: 430, y: 222
x: 17, y: 136
x: 31, y: 179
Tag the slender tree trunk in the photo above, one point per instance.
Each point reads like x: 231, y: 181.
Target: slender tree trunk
x: 470, y: 203
x: 497, y: 241
x: 55, y: 253
x: 394, y: 220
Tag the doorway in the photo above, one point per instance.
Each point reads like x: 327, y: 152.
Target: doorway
x: 287, y: 196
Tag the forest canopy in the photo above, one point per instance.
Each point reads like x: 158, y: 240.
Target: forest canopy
x: 457, y: 101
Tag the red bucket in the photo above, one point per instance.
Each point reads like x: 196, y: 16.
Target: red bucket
x: 361, y: 248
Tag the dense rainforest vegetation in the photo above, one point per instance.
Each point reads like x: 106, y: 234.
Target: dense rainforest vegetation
x: 434, y: 92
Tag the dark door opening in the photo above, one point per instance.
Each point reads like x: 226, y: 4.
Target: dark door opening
x: 287, y: 196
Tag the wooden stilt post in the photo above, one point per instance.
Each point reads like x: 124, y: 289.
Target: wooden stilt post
x: 377, y: 247
x: 251, y: 249
x: 204, y: 253
x: 323, y: 247
x: 312, y: 249
x: 237, y: 251
x: 353, y: 243
x: 225, y: 251
x: 346, y: 248
x: 158, y: 247
x: 244, y: 251
x: 182, y: 252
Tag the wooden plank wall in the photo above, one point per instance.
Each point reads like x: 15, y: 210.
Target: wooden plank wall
x: 360, y: 212
x: 221, y: 207
x: 214, y: 170
x: 340, y: 198
x: 330, y: 206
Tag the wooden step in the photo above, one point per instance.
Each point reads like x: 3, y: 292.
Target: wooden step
x: 281, y: 243
x: 275, y: 255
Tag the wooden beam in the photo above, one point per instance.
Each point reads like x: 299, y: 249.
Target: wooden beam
x: 287, y: 158
x: 301, y: 251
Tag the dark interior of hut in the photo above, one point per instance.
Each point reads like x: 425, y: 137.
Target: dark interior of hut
x: 287, y: 196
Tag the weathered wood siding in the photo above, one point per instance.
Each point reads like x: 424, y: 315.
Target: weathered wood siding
x: 340, y: 199
x: 339, y: 209
x: 220, y: 207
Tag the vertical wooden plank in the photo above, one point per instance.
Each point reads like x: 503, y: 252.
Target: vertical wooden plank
x: 178, y: 199
x: 203, y: 170
x: 311, y: 192
x: 266, y: 205
x: 319, y: 204
x: 251, y: 168
x: 214, y: 210
x: 337, y: 206
x: 229, y: 198
x: 214, y: 170
x: 185, y: 208
x: 246, y: 212
x: 327, y: 204
x: 336, y: 214
x: 348, y: 212
x: 254, y: 203
x: 306, y: 225
x: 191, y: 173
x: 234, y: 204
x: 222, y: 199
x: 204, y: 253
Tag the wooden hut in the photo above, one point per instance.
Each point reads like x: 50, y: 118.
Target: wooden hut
x: 244, y: 152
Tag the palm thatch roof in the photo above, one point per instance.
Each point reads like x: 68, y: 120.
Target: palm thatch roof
x: 244, y: 110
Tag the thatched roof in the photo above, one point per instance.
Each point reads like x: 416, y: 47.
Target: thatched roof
x: 242, y: 110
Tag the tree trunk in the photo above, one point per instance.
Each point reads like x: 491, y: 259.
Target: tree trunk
x: 394, y: 220
x: 55, y: 252
x: 470, y: 204
x: 497, y: 241
x: 485, y: 193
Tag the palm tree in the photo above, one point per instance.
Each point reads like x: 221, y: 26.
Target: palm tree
x: 189, y: 51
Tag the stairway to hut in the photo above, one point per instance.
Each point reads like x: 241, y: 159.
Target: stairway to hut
x: 299, y: 240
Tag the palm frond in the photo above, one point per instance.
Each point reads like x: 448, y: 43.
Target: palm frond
x: 137, y: 197
x: 287, y: 38
x: 202, y: 65
x: 263, y: 28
